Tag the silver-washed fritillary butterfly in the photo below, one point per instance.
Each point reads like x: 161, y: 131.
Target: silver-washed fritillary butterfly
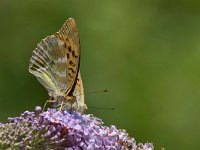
x: 56, y: 62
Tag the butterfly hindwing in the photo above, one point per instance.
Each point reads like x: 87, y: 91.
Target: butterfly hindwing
x: 48, y: 63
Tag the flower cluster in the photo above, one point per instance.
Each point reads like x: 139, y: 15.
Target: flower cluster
x: 65, y: 130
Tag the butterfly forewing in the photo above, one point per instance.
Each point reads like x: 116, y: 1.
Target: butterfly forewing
x: 69, y: 34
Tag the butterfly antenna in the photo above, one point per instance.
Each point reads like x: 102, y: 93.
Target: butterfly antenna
x: 111, y: 108
x: 101, y: 91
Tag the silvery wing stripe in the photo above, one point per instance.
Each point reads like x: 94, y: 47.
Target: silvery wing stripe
x: 61, y: 74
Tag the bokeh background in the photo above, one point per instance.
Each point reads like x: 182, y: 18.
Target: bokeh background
x: 146, y: 53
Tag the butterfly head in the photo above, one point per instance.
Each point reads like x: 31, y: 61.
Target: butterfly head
x: 70, y: 98
x: 69, y: 102
x: 76, y: 103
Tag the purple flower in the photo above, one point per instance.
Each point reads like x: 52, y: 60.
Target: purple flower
x: 59, y: 130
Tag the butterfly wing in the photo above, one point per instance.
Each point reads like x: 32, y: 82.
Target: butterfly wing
x: 69, y: 34
x: 55, y: 61
x: 48, y: 64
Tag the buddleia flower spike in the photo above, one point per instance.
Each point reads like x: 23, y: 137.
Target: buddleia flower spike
x: 61, y: 130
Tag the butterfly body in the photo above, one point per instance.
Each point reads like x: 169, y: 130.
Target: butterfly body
x: 56, y: 64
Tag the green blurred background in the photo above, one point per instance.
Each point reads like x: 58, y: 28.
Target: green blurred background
x: 146, y: 53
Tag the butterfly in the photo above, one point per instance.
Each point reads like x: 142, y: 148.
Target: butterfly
x: 56, y: 64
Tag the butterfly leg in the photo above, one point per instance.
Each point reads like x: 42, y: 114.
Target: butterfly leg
x: 71, y: 109
x: 48, y: 101
x: 76, y: 104
x: 61, y: 105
